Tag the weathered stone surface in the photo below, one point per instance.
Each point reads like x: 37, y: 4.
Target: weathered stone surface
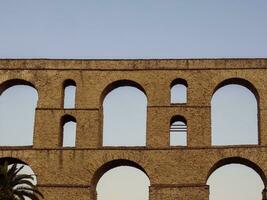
x: 174, y: 172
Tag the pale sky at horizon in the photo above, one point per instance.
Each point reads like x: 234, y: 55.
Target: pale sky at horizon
x: 138, y: 29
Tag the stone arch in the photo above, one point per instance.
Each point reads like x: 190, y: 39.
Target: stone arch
x: 183, y: 96
x: 238, y: 160
x: 69, y: 83
x: 120, y: 83
x: 110, y: 88
x: 238, y: 81
x: 178, y: 130
x: 178, y: 118
x: 248, y: 88
x: 227, y: 173
x: 4, y: 87
x: 110, y: 165
x: 11, y: 160
x: 64, y: 120
x: 179, y: 81
x: 13, y: 82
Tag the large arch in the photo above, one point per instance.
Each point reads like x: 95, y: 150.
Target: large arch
x: 17, y: 118
x: 13, y: 82
x: 238, y: 160
x: 112, y: 165
x: 238, y: 122
x: 121, y: 102
x: 238, y: 81
x: 120, y: 83
x: 235, y: 169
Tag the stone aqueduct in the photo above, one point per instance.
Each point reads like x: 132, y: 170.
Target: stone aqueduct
x: 174, y: 172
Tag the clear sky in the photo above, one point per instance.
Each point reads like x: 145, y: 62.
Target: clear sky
x: 137, y: 29
x: 133, y: 29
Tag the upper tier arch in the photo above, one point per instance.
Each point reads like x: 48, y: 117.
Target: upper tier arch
x: 12, y: 82
x: 120, y: 83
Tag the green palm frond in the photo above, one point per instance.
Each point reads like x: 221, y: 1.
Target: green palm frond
x: 29, y: 194
x: 19, y: 196
x: 30, y: 189
x: 20, y: 177
x: 24, y: 182
x: 17, y: 186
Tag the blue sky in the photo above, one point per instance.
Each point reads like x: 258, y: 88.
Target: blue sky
x: 133, y: 29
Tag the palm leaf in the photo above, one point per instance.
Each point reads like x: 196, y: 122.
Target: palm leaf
x: 23, y: 182
x: 16, y: 186
x: 30, y: 189
x: 20, y: 177
x: 18, y: 195
x: 29, y: 194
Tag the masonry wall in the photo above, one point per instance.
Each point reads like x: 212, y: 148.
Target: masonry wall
x: 174, y: 173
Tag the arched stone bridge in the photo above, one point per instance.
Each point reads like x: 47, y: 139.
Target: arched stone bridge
x: 174, y: 172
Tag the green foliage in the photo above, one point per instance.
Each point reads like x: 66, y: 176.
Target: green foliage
x: 16, y: 186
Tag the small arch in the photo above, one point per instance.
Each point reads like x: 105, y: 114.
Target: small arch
x: 178, y: 131
x: 178, y: 90
x: 69, y: 87
x: 68, y: 131
x: 238, y: 160
x: 111, y: 165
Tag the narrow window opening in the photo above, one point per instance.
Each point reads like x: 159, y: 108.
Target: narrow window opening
x: 69, y: 94
x: 178, y: 131
x: 179, y: 91
x: 69, y: 131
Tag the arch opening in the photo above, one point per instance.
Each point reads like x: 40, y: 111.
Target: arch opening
x: 234, y: 113
x: 236, y: 178
x: 18, y: 102
x: 68, y: 126
x: 178, y: 131
x: 178, y: 91
x: 69, y: 87
x: 124, y: 115
x: 120, y: 83
x: 120, y: 180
